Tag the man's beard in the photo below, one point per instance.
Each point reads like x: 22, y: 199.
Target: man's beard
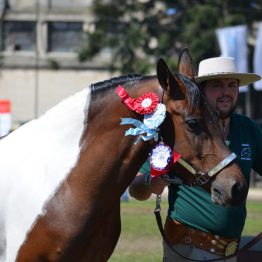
x: 228, y: 113
x: 224, y: 115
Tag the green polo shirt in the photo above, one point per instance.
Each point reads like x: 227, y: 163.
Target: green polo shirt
x: 193, y: 205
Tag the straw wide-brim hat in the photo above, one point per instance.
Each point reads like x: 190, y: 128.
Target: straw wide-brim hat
x: 223, y: 67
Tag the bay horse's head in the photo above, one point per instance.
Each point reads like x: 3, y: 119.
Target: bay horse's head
x: 206, y: 160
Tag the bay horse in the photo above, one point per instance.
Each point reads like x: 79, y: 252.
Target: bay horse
x: 76, y: 213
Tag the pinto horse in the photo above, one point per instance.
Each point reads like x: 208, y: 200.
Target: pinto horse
x: 75, y: 211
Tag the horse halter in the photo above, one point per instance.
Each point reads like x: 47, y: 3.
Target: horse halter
x: 202, y: 178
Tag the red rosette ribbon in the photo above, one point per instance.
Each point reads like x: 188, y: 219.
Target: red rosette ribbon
x: 126, y: 99
x: 144, y: 104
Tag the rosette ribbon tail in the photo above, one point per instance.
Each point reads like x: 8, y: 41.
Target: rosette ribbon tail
x: 145, y: 133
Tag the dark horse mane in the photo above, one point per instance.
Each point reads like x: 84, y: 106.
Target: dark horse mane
x: 130, y: 80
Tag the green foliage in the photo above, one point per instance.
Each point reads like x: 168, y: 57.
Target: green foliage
x: 138, y: 33
x: 53, y: 64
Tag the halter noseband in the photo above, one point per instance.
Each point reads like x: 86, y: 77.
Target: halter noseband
x: 202, y: 178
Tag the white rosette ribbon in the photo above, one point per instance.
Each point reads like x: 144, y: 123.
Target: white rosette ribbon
x: 160, y: 156
x: 156, y: 118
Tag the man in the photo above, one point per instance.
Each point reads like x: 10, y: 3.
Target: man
x: 195, y: 226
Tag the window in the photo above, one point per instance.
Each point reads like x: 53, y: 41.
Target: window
x: 64, y: 36
x: 19, y: 35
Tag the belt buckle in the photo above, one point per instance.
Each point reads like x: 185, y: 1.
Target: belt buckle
x: 231, y: 248
x: 188, y: 240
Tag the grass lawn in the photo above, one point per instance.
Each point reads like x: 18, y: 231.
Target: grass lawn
x: 140, y: 240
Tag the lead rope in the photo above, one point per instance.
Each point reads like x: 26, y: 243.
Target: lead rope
x: 161, y: 229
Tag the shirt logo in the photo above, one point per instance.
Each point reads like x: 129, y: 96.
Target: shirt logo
x: 245, y: 152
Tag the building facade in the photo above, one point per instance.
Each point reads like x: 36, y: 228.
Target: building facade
x: 38, y: 62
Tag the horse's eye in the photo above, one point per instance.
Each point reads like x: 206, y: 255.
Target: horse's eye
x: 194, y: 124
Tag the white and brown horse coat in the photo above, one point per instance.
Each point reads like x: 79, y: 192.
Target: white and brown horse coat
x: 34, y: 160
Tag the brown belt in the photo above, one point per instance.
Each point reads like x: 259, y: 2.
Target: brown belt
x: 177, y: 233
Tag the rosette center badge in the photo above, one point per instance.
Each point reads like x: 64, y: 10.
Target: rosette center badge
x: 160, y: 156
x: 146, y: 102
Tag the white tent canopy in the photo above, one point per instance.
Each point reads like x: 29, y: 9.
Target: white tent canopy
x: 258, y: 58
x: 233, y: 42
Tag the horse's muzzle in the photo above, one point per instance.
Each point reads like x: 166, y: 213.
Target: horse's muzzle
x: 232, y: 193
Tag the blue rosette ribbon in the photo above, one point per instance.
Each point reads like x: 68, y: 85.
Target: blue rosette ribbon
x: 145, y: 133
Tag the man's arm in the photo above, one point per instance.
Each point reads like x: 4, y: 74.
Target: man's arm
x: 142, y: 189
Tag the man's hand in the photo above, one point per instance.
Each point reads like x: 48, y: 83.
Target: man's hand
x: 140, y: 191
x: 157, y: 185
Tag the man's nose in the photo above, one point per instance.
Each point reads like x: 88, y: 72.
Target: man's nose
x: 225, y: 90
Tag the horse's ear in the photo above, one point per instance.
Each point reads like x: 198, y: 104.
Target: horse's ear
x: 185, y: 64
x: 163, y: 73
x: 168, y: 81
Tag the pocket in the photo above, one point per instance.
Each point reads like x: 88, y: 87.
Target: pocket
x: 174, y: 231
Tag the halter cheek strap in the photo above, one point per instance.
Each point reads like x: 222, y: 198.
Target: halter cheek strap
x: 222, y: 164
x: 204, y: 177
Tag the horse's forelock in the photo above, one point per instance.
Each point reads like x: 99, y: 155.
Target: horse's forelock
x: 193, y: 92
x: 213, y: 113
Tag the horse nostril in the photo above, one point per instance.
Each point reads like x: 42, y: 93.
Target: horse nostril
x: 217, y: 191
x: 217, y: 195
x: 237, y: 194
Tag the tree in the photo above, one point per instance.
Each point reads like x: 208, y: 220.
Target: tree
x: 140, y: 32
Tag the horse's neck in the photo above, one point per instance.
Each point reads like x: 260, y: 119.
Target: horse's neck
x: 116, y: 157
x: 107, y: 163
x: 108, y: 159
